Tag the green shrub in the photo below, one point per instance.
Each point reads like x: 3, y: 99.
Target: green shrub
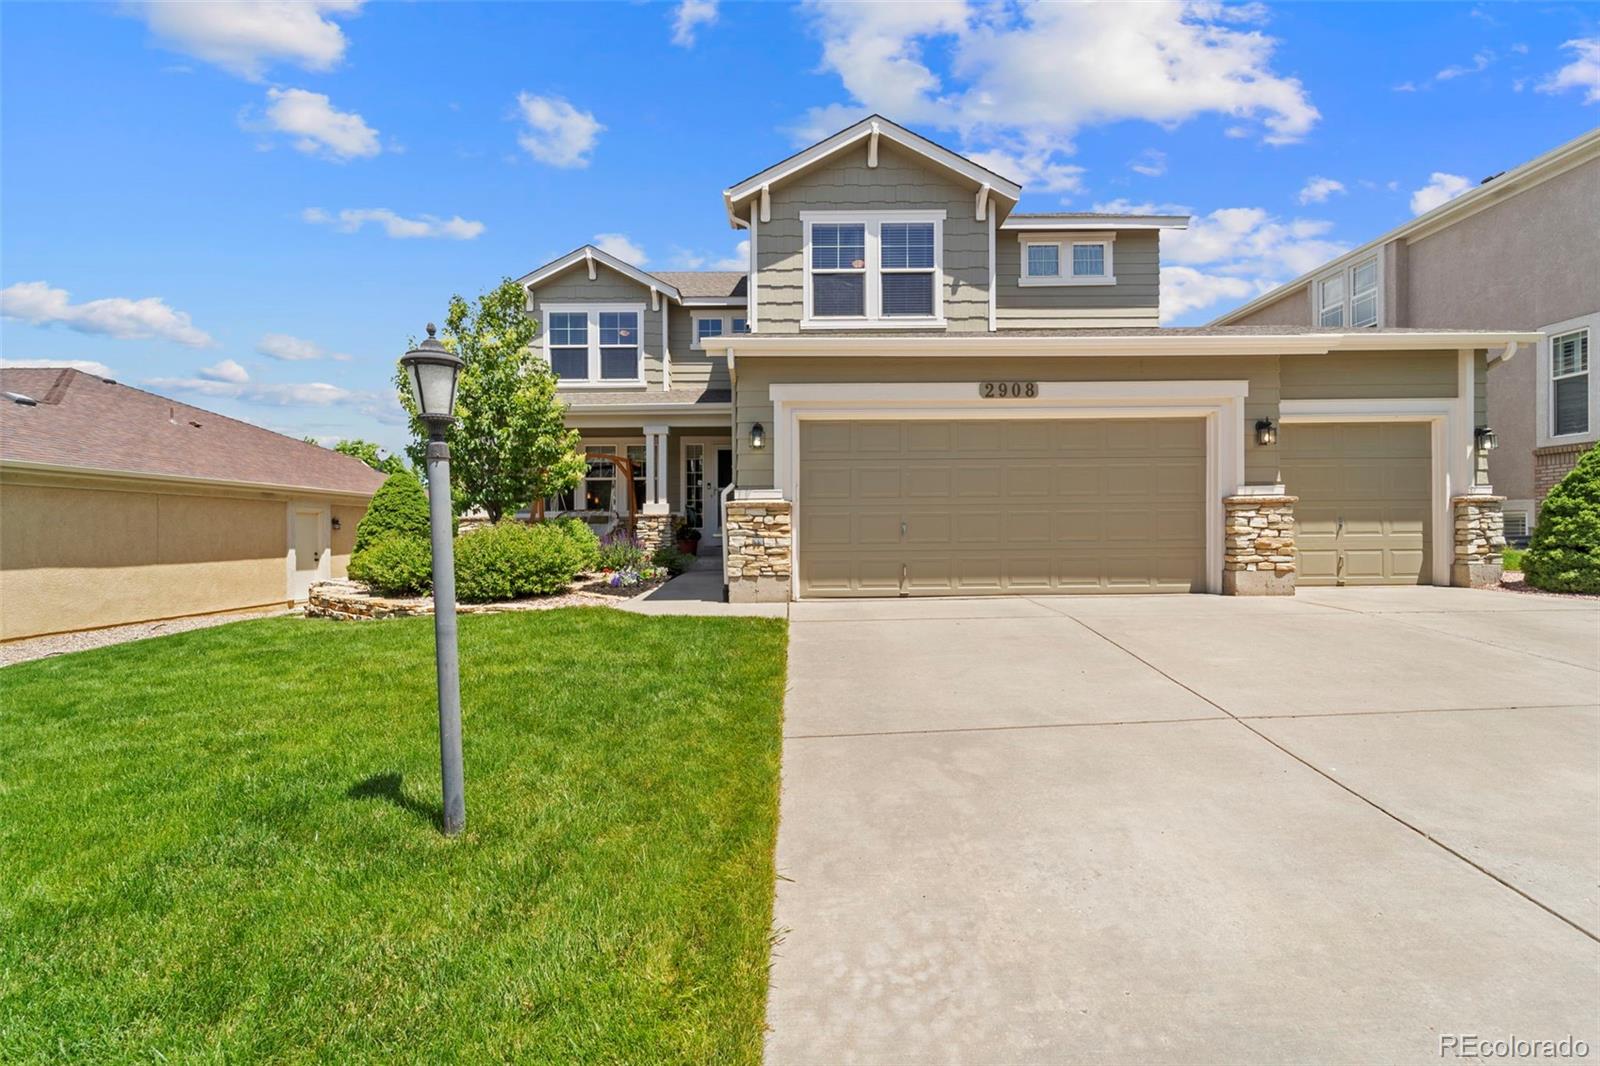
x: 399, y: 506
x: 396, y: 564
x: 583, y: 539
x: 511, y: 560
x: 1564, y: 552
x: 619, y: 551
x: 673, y: 560
x: 1511, y: 560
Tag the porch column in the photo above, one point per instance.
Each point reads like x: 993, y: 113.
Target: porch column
x: 655, y: 449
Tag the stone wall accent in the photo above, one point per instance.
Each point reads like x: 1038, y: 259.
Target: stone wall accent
x: 758, y: 538
x: 1480, y: 537
x: 1258, y: 545
x: 654, y: 530
x: 1552, y: 464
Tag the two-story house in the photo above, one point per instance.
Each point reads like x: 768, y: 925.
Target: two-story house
x: 1522, y: 249
x: 916, y: 389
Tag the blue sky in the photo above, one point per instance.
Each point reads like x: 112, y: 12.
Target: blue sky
x: 254, y: 206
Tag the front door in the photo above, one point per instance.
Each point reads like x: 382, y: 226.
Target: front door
x: 707, y: 470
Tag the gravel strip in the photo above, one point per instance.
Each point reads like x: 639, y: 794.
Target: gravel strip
x: 21, y: 651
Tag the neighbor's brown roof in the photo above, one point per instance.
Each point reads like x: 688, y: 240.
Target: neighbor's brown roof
x: 704, y: 283
x: 87, y: 422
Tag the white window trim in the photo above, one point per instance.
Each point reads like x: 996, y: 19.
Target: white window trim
x: 580, y: 491
x: 873, y: 300
x: 1545, y: 392
x: 594, y: 380
x: 1063, y: 244
x: 1348, y: 273
x: 695, y: 317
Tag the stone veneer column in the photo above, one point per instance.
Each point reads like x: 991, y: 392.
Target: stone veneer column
x: 1258, y: 545
x: 1479, y: 539
x: 653, y: 530
x: 757, y: 534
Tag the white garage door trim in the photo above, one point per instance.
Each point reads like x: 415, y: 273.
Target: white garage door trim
x: 1220, y: 403
x: 1447, y: 421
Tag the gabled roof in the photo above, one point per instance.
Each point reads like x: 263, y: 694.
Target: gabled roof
x: 870, y: 129
x: 85, y: 423
x: 590, y: 254
x: 1090, y: 220
x: 1490, y: 191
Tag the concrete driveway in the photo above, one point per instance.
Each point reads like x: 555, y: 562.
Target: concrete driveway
x: 1337, y: 828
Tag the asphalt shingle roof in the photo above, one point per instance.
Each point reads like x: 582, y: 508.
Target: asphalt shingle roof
x: 80, y: 420
x: 703, y: 283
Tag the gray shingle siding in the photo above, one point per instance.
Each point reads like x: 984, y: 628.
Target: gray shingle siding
x: 689, y: 366
x: 898, y: 183
x: 1133, y: 301
x: 573, y: 286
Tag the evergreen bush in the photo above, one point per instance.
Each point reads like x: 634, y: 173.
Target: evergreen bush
x: 1564, y: 552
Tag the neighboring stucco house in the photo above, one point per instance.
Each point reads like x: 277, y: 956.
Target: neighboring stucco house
x: 117, y: 506
x: 1522, y: 250
x: 916, y: 390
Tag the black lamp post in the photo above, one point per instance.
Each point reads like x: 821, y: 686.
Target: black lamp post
x: 433, y: 371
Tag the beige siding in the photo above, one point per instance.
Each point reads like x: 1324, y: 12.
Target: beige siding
x: 898, y: 183
x: 754, y: 404
x: 1133, y: 301
x: 690, y: 367
x: 1369, y: 375
x: 1293, y: 308
x: 574, y: 286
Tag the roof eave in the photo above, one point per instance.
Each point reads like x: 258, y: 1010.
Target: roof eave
x: 1105, y: 223
x: 598, y: 255
x: 34, y: 467
x: 1149, y: 344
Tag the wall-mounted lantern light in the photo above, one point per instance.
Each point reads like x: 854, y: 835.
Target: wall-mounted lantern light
x: 335, y: 521
x: 758, y: 437
x: 1266, y: 432
x: 1487, y: 442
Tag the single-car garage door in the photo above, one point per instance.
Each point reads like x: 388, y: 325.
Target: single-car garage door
x: 1363, y: 516
x: 962, y: 508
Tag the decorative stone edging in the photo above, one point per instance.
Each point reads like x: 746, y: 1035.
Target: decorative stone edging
x: 759, y: 538
x: 1258, y: 554
x: 1480, y: 537
x: 351, y: 601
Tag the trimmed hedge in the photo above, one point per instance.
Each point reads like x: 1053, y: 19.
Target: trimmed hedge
x: 1564, y: 552
x: 511, y: 560
x: 399, y: 506
x: 396, y: 564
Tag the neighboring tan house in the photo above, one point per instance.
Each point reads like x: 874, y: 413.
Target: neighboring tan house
x: 117, y: 506
x: 916, y: 390
x: 1522, y: 250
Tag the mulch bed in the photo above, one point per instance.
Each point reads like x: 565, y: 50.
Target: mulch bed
x: 1513, y: 581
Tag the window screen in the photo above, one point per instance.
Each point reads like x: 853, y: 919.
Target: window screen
x: 1044, y: 260
x: 1089, y: 260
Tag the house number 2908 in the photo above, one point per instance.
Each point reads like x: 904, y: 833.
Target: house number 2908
x: 1008, y: 390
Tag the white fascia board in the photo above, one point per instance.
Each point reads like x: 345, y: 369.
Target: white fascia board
x: 589, y: 251
x: 754, y: 345
x: 1100, y: 223
x: 1001, y: 186
x: 1552, y: 164
x: 647, y: 408
x: 714, y: 301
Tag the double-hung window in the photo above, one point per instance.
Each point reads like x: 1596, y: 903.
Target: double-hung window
x: 598, y: 345
x: 1349, y: 296
x: 873, y: 268
x: 1569, y: 383
x: 1078, y: 260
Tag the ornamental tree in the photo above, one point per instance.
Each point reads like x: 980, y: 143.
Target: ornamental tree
x: 510, y: 445
x: 370, y: 454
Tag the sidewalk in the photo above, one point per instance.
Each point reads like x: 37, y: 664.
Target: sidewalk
x: 699, y: 592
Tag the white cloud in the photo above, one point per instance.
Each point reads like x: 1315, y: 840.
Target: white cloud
x: 244, y: 37
x: 1010, y: 93
x: 288, y: 349
x: 88, y: 366
x: 1235, y: 252
x: 227, y: 370
x: 1034, y: 168
x: 1582, y: 73
x: 1317, y: 190
x: 36, y: 303
x: 689, y: 259
x: 1441, y: 188
x: 620, y: 246
x: 739, y: 260
x: 1124, y: 206
x: 1480, y: 63
x: 352, y: 219
x: 1185, y: 289
x: 319, y: 128
x: 556, y: 132
x: 1151, y: 162
x: 379, y: 405
x: 688, y: 17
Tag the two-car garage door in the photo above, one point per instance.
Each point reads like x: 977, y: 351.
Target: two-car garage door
x: 1007, y: 506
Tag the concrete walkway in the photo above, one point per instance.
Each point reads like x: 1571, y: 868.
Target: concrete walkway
x: 699, y: 592
x: 1188, y: 829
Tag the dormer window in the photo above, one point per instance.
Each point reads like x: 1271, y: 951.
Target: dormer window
x: 1079, y: 259
x: 873, y: 269
x: 1348, y: 296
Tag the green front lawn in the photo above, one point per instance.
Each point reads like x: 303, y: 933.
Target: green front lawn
x: 221, y: 845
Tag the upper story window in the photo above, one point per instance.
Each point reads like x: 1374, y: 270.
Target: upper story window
x: 1348, y: 296
x: 1569, y: 383
x: 1081, y: 259
x: 873, y: 268
x: 595, y: 345
x: 716, y: 324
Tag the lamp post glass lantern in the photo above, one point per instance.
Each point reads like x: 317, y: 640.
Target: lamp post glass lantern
x: 432, y: 370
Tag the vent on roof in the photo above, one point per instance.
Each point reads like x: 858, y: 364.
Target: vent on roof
x: 26, y: 401
x: 1491, y: 177
x: 193, y: 423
